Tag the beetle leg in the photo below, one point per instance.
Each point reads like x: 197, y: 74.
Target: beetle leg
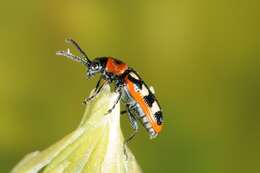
x: 118, y: 90
x: 96, y: 91
x: 123, y: 112
x: 133, y: 122
x: 98, y: 83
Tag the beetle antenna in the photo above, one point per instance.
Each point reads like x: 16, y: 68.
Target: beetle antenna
x: 69, y: 55
x: 71, y: 41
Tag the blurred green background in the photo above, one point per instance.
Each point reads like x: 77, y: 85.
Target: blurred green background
x: 202, y: 57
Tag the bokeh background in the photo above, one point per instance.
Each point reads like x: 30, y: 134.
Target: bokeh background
x: 202, y: 57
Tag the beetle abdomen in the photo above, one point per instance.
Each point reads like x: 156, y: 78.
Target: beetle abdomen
x: 143, y: 103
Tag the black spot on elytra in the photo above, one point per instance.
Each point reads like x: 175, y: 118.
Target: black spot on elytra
x: 139, y: 83
x: 149, y: 99
x: 159, y: 117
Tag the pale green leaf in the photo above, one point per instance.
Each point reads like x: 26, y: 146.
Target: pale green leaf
x: 96, y: 146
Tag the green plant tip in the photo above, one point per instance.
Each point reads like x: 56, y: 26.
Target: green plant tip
x: 96, y: 146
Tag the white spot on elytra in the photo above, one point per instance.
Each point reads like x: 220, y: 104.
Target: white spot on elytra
x: 155, y: 107
x: 144, y: 91
x: 134, y: 76
x: 152, y: 89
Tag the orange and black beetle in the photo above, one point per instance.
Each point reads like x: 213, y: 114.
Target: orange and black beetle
x: 141, y: 104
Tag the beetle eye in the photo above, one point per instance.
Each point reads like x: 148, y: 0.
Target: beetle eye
x: 95, y: 66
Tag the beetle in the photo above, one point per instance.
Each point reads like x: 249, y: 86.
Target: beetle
x: 141, y: 103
